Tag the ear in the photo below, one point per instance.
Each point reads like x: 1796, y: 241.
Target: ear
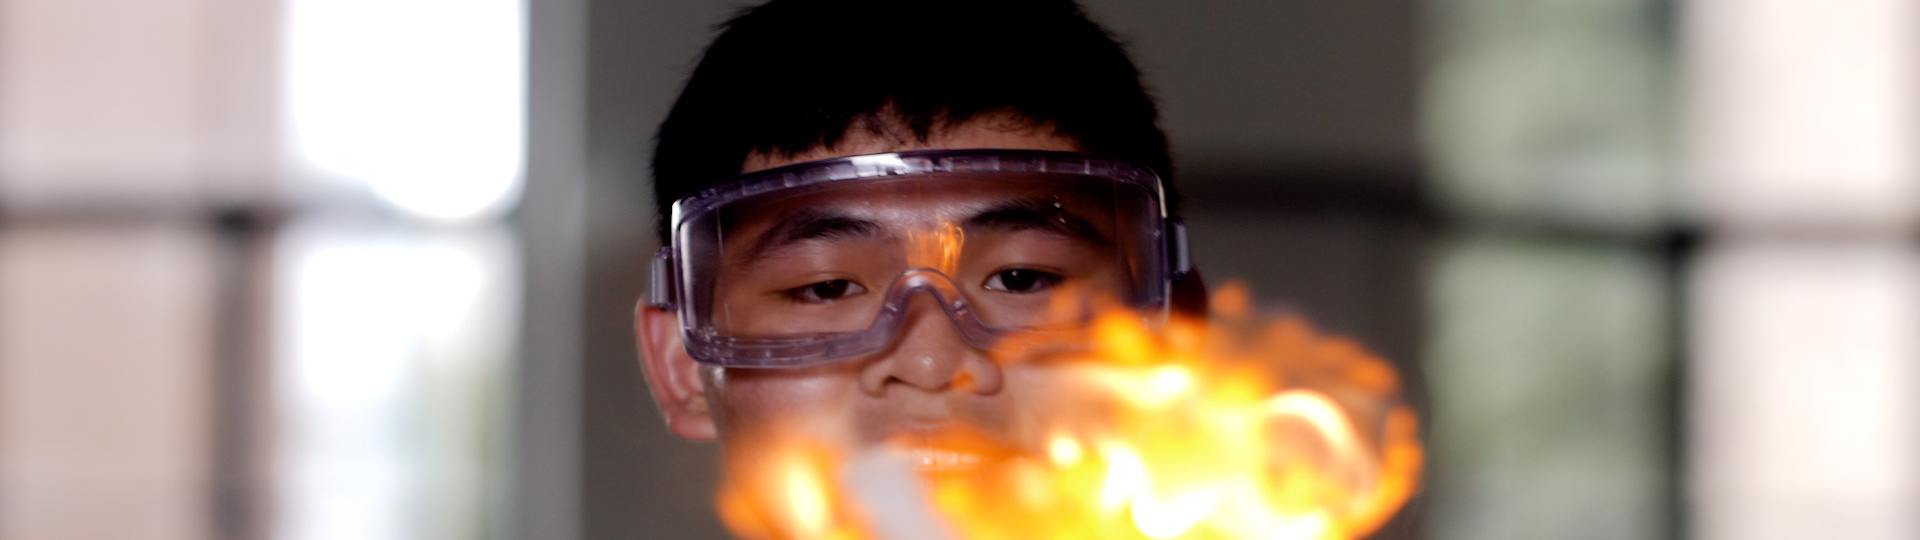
x: 672, y: 374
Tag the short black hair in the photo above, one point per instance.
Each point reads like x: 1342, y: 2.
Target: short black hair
x: 791, y: 76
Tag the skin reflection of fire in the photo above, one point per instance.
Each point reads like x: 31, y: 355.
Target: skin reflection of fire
x: 1237, y: 427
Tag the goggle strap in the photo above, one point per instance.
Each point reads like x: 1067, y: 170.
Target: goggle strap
x: 1181, y: 259
x: 660, y: 281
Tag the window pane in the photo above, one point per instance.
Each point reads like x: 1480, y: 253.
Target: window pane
x: 392, y: 363
x: 106, y: 347
x: 420, y: 101
x: 1551, y: 111
x: 1806, y: 391
x: 1548, y: 364
x: 1806, y: 112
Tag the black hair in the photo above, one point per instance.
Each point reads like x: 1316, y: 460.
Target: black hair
x: 791, y: 76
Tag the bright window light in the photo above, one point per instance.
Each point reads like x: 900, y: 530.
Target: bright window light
x: 1806, y: 113
x: 1805, y: 398
x: 419, y: 99
x: 392, y: 353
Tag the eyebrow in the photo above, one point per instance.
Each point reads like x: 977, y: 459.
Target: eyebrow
x: 801, y: 226
x: 1036, y: 214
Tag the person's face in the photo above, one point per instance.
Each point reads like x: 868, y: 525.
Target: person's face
x: 932, y: 394
x: 827, y: 261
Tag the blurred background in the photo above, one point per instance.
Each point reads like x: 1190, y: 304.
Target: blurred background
x: 365, y: 269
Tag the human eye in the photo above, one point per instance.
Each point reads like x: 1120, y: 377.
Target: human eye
x: 1022, y: 281
x: 825, y: 291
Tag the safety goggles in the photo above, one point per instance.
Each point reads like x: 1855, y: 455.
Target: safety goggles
x: 824, y: 261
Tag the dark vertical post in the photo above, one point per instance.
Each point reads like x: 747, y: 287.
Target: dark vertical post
x: 240, y: 371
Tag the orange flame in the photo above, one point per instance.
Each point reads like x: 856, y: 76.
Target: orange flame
x: 1231, y: 428
x: 937, y: 248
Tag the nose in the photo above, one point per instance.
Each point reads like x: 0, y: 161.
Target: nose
x: 929, y: 354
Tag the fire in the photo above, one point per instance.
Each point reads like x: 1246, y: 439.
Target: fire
x: 936, y: 247
x: 1236, y: 427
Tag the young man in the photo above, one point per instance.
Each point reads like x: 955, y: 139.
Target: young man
x: 872, y: 196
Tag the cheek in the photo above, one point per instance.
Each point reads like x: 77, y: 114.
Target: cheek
x: 1051, y: 398
x: 815, y: 401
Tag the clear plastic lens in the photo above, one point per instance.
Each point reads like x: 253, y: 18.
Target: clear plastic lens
x: 807, y: 273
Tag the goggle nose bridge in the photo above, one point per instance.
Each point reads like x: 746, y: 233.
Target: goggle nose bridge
x: 946, y: 293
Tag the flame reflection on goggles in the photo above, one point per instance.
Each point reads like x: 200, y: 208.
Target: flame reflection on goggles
x: 824, y: 261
